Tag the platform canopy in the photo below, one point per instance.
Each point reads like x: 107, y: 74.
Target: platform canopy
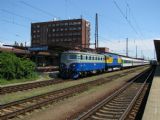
x: 157, y: 48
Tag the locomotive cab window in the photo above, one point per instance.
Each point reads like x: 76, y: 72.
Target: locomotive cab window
x: 73, y: 57
x: 63, y: 57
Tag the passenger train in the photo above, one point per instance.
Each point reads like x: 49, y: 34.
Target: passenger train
x: 74, y: 64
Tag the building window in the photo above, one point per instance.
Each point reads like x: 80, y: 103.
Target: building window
x: 38, y: 26
x: 49, y: 35
x: 70, y: 23
x: 79, y: 28
x: 57, y: 29
x: 69, y: 39
x: 61, y: 29
x: 66, y: 29
x: 65, y: 24
x: 34, y: 36
x: 53, y: 30
x: 78, y: 23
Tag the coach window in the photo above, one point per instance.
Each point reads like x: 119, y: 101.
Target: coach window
x: 86, y: 57
x: 81, y: 57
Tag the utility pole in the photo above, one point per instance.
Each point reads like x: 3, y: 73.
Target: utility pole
x: 142, y: 54
x: 96, y: 31
x: 126, y: 46
x: 136, y: 51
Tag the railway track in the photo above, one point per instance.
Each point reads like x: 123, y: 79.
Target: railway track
x: 27, y: 86
x: 15, y: 108
x: 123, y: 104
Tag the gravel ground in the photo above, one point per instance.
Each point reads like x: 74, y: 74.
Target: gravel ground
x: 71, y: 107
x: 37, y: 91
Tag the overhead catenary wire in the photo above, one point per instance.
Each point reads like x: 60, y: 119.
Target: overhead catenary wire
x: 129, y: 21
x: 125, y: 17
x: 38, y: 9
x: 15, y: 14
x: 13, y: 22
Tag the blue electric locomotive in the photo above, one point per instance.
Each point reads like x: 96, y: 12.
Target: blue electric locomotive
x: 74, y: 63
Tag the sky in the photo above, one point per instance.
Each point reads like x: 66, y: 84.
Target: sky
x: 137, y: 20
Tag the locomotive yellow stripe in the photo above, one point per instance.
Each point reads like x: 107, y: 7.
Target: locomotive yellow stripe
x: 109, y: 60
x: 119, y: 60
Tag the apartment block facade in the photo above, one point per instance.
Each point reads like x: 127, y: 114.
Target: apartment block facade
x: 66, y: 33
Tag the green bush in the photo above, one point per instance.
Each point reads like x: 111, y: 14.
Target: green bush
x: 12, y: 67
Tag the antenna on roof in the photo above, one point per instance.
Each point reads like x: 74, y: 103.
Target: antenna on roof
x: 54, y: 19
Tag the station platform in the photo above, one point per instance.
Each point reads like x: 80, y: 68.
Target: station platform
x: 152, y: 109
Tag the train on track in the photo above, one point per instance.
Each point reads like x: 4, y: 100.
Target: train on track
x: 74, y: 64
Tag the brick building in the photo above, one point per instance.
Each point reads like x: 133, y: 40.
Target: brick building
x: 66, y: 33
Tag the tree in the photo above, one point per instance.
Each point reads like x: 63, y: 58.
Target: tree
x: 12, y: 67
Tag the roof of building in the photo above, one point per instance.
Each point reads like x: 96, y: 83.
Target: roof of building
x: 14, y: 50
x: 157, y: 48
x: 57, y: 21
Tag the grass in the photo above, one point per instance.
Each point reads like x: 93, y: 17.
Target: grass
x: 13, y: 81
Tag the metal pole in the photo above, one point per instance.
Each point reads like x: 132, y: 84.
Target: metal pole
x: 136, y: 51
x: 96, y: 31
x: 126, y: 46
x: 97, y: 27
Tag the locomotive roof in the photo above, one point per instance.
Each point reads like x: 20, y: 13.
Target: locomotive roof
x: 79, y: 52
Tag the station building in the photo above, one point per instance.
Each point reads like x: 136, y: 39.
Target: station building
x: 69, y: 33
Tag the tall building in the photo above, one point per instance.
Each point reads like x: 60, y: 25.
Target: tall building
x: 67, y: 33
